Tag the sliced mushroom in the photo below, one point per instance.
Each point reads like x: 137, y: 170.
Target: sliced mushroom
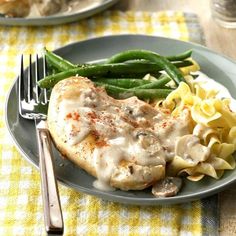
x: 189, y: 148
x: 145, y: 137
x: 167, y: 187
x: 149, y: 141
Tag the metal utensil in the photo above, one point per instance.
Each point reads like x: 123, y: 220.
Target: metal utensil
x: 33, y: 105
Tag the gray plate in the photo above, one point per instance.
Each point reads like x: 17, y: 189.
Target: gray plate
x: 59, y: 18
x: 214, y: 65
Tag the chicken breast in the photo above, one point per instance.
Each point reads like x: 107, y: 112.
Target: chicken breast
x: 113, y: 140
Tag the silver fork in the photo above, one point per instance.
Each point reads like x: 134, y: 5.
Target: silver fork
x: 33, y: 105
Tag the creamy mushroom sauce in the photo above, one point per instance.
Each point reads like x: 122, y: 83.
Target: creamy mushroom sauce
x: 127, y: 129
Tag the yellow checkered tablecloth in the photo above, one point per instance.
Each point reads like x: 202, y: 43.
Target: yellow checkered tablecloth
x: 21, y: 210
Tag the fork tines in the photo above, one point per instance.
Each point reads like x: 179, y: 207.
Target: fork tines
x: 28, y: 87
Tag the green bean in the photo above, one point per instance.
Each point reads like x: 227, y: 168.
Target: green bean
x: 61, y: 64
x: 152, y: 93
x: 184, y: 63
x: 155, y: 84
x: 124, y: 56
x: 170, y: 69
x: 178, y: 64
x: 181, y: 56
x: 110, y: 70
x: 122, y: 82
x: 152, y: 73
x: 51, y: 69
x: 58, y: 62
x: 122, y: 93
x: 138, y: 75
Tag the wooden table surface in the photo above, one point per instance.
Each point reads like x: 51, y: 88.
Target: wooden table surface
x: 218, y: 39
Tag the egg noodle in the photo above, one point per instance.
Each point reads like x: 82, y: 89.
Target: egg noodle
x: 214, y: 124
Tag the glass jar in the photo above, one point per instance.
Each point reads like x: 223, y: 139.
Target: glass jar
x: 224, y: 12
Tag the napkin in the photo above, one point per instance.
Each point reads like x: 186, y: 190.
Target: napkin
x: 21, y: 210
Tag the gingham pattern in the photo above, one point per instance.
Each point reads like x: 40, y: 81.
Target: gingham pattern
x: 20, y: 199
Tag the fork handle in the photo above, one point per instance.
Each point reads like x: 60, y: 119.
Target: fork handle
x: 51, y: 201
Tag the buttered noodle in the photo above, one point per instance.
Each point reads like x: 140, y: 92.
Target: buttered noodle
x: 213, y: 114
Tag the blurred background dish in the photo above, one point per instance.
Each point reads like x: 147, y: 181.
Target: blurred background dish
x: 224, y: 12
x: 49, y: 12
